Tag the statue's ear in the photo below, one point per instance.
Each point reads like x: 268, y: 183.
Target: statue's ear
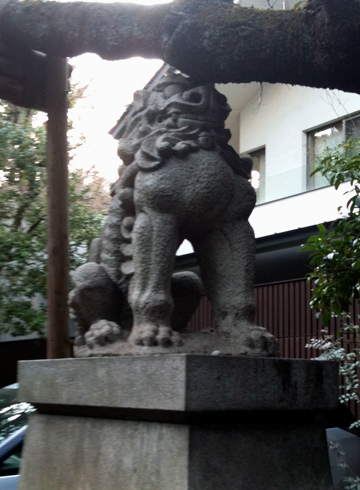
x: 240, y: 165
x: 246, y: 164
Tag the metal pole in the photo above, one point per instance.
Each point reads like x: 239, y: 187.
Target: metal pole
x: 58, y: 344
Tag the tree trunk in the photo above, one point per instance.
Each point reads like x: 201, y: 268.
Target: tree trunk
x: 212, y: 40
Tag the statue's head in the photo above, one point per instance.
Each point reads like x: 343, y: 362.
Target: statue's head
x: 177, y: 116
x: 180, y: 101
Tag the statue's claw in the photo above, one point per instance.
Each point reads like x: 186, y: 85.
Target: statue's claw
x: 144, y: 335
x: 79, y: 340
x: 101, y: 333
x: 150, y: 335
x: 258, y: 342
x: 164, y: 337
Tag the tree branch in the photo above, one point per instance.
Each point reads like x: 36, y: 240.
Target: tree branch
x: 35, y: 225
x: 236, y: 44
x: 212, y: 40
x: 112, y: 30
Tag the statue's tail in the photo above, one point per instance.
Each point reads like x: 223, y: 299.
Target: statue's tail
x: 117, y: 250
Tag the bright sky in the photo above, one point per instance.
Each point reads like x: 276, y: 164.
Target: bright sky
x: 111, y: 88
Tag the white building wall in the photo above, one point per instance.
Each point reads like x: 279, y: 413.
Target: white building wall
x: 279, y: 122
x: 300, y: 211
x: 265, y: 4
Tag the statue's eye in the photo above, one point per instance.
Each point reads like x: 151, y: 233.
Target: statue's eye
x: 160, y: 118
x: 193, y: 97
x: 206, y: 142
x: 196, y: 98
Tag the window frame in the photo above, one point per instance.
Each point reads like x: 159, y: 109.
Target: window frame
x: 260, y: 192
x: 310, y: 155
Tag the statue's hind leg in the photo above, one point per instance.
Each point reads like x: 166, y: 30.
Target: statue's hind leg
x: 95, y: 298
x: 226, y: 256
x: 186, y: 290
x: 155, y: 241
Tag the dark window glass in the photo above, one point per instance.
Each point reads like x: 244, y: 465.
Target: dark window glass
x: 258, y: 173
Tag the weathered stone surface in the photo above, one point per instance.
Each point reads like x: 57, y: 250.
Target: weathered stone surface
x: 285, y: 456
x: 240, y: 423
x: 180, y: 383
x: 180, y: 180
x: 206, y: 341
x: 81, y: 453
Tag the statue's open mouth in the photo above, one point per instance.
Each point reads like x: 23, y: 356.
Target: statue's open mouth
x: 199, y: 117
x: 179, y: 118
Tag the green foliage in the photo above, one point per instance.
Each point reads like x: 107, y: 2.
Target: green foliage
x: 335, y: 257
x: 86, y: 213
x: 345, y: 349
x: 335, y: 254
x: 354, y: 483
x: 300, y: 5
x: 23, y: 268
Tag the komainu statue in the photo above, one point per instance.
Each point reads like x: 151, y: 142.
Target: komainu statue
x: 179, y: 180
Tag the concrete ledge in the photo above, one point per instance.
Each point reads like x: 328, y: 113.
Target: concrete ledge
x: 181, y: 383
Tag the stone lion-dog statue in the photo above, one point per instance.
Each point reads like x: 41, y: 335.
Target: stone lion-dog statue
x: 179, y: 180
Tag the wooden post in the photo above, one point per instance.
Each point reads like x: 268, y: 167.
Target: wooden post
x: 58, y: 343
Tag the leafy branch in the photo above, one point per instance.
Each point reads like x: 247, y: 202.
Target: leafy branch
x: 23, y: 220
x: 335, y: 258
x: 335, y: 254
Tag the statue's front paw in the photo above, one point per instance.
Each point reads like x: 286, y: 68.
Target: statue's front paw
x: 150, y: 335
x: 79, y: 341
x: 144, y: 335
x: 167, y: 337
x: 258, y: 342
x: 101, y: 333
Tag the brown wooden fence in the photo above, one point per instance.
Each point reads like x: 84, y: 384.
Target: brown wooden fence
x: 283, y: 309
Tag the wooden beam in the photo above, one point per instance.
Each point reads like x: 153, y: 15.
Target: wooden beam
x: 58, y: 343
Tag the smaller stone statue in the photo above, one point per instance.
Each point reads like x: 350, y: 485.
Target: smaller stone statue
x: 180, y: 180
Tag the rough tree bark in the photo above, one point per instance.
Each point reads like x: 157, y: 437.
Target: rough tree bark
x: 213, y: 40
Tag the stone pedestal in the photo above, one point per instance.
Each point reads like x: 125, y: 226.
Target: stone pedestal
x: 177, y: 422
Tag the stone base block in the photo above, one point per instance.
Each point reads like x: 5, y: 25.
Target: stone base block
x: 182, y: 422
x: 178, y: 384
x: 80, y: 453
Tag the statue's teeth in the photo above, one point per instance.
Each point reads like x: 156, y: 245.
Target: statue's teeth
x: 127, y: 226
x: 126, y: 249
x: 127, y: 268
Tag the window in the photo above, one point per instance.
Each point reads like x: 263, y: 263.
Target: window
x: 258, y: 173
x: 10, y: 465
x: 352, y: 127
x: 328, y: 137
